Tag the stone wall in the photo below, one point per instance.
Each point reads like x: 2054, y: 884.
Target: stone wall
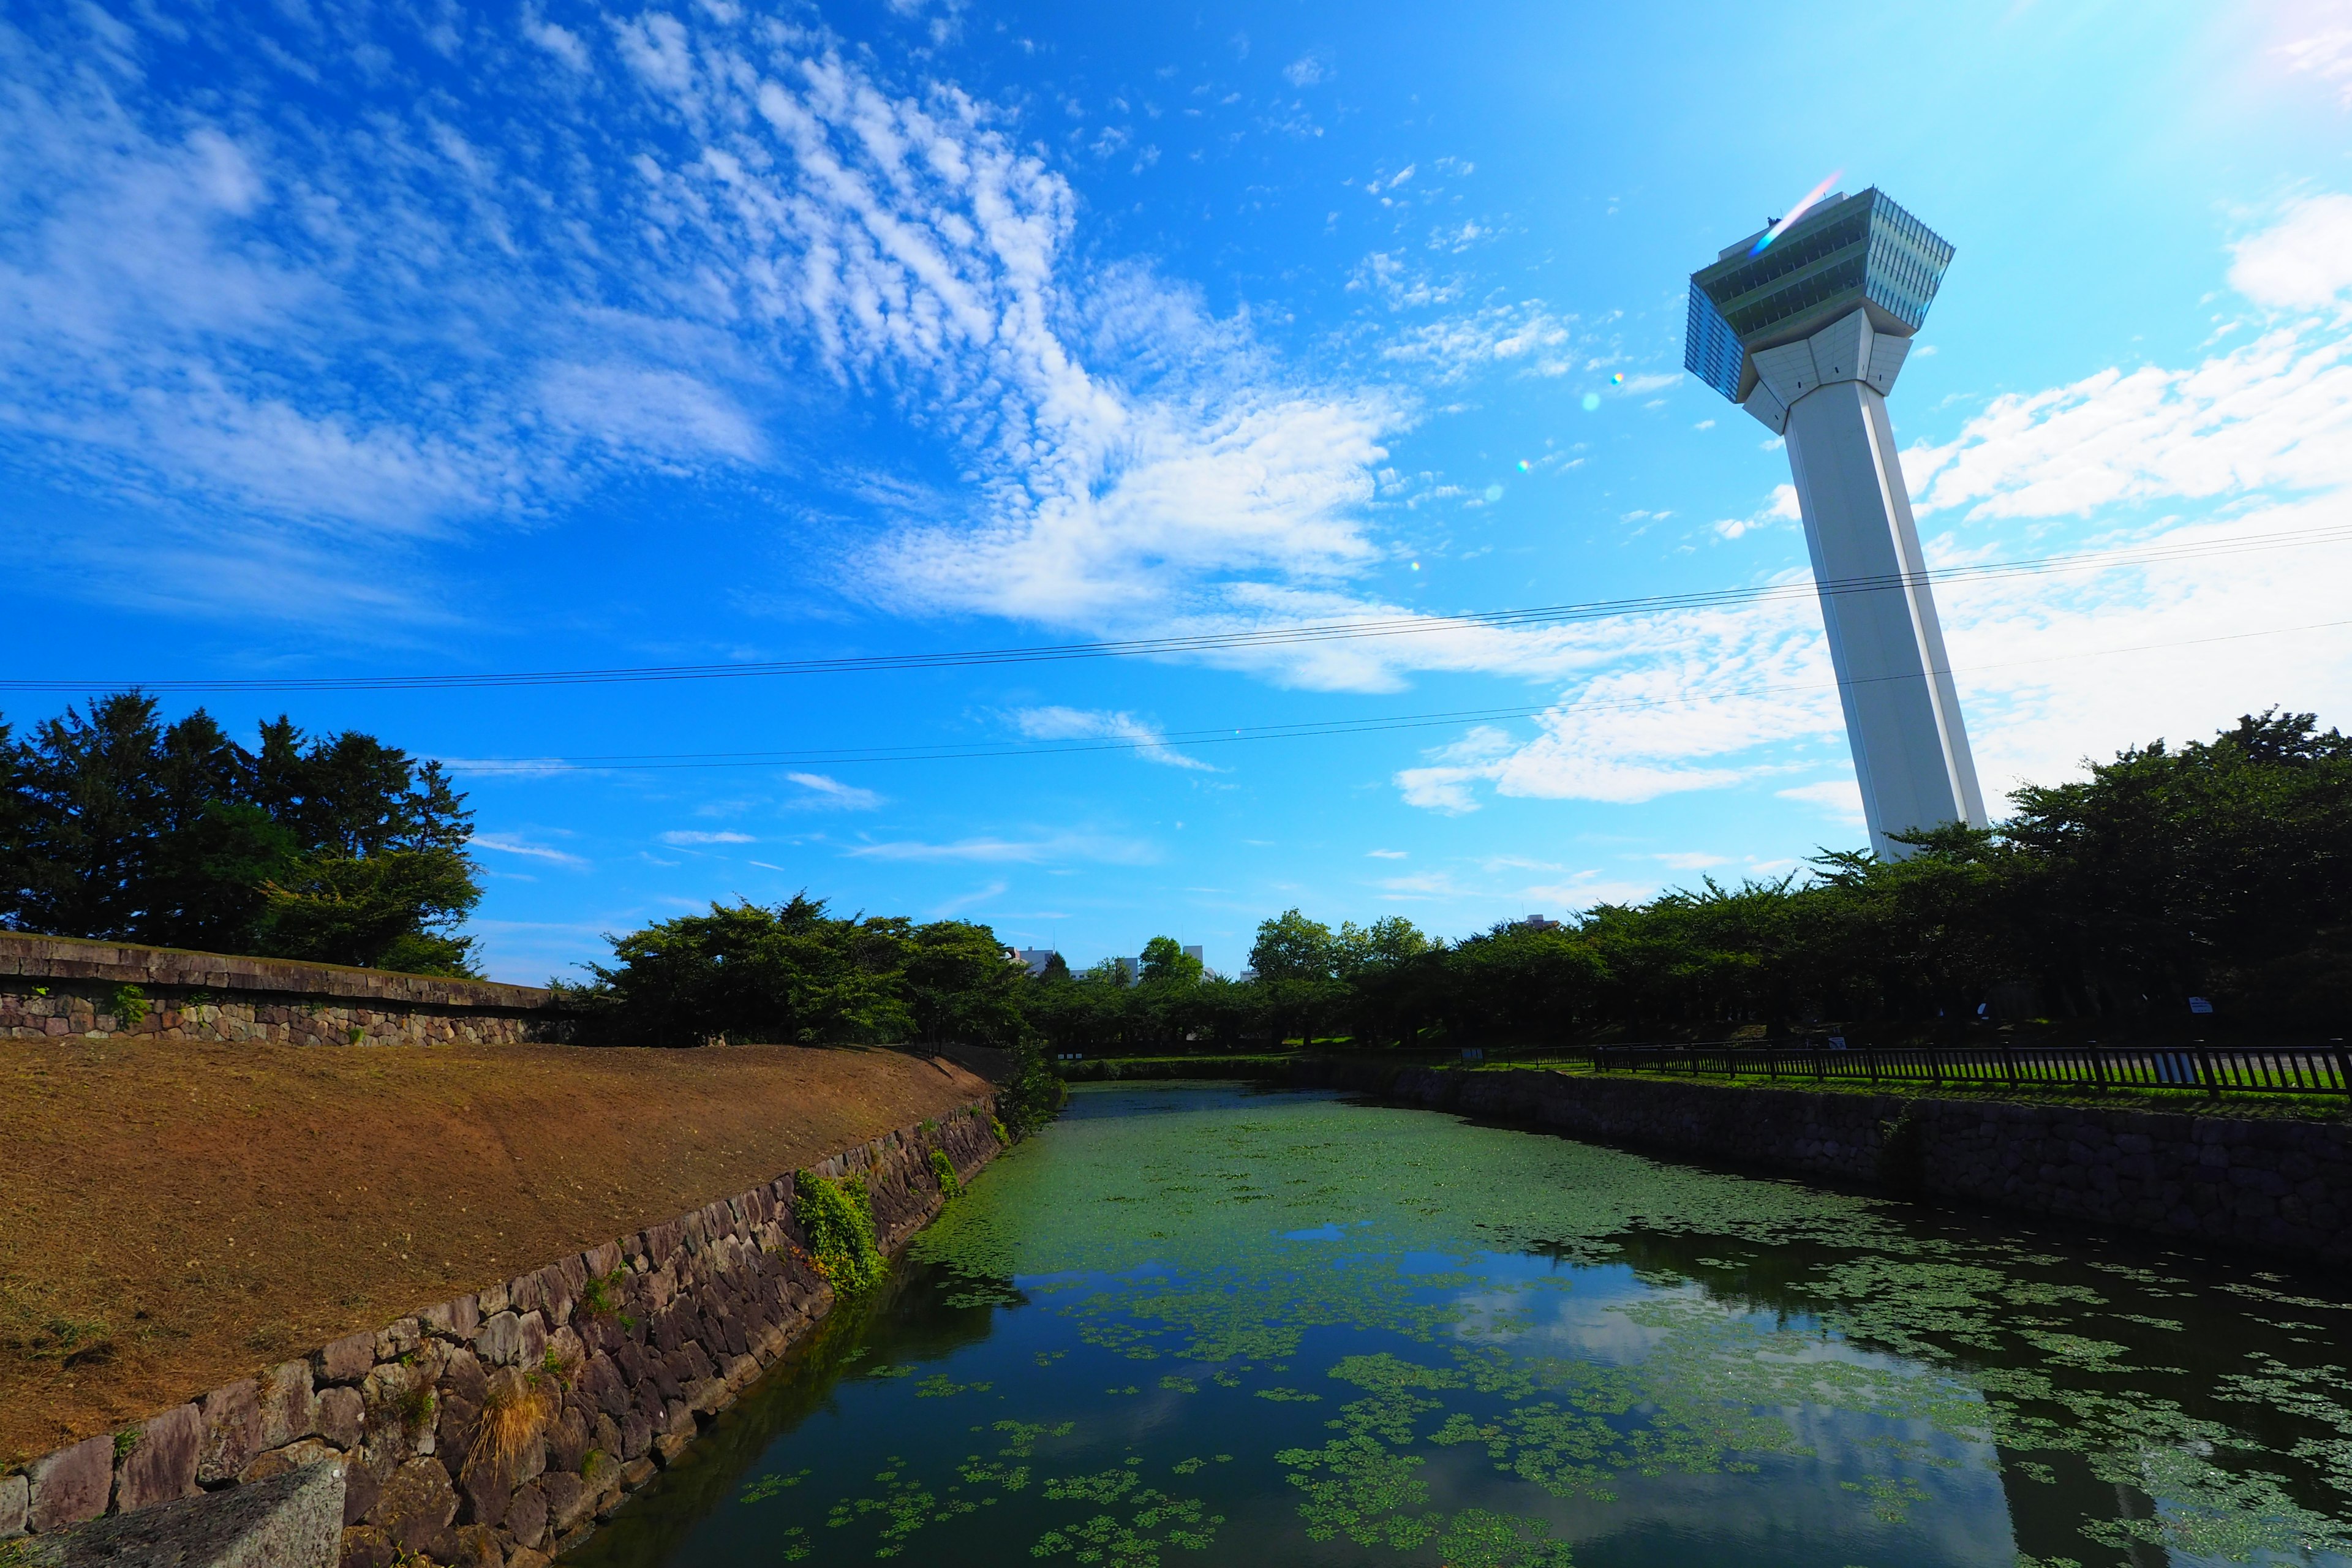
x: 52, y: 986
x: 2279, y: 1186
x: 599, y: 1369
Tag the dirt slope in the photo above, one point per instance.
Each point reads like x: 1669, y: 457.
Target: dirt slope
x: 175, y: 1216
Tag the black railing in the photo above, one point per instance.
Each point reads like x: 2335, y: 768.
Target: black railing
x: 2215, y: 1069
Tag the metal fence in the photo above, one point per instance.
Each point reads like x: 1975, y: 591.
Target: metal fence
x: 2214, y: 1069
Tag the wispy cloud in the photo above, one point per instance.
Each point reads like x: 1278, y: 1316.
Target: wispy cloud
x: 1308, y: 69
x: 962, y: 902
x: 829, y: 793
x: 1043, y: 850
x: 1097, y: 724
x: 506, y: 843
x: 687, y: 837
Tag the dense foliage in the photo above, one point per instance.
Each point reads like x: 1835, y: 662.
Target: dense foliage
x: 2220, y: 869
x: 335, y: 848
x: 798, y: 975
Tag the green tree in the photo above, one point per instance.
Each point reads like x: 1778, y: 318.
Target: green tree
x: 790, y: 974
x: 962, y: 985
x: 116, y: 825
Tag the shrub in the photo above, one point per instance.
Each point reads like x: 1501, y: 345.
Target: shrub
x: 950, y: 1186
x: 838, y: 1218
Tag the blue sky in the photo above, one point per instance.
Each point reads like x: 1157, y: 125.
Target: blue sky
x: 416, y: 338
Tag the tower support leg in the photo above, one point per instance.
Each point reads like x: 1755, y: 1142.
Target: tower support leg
x: 1895, y: 680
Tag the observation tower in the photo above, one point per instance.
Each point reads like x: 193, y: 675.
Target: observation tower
x: 1805, y: 324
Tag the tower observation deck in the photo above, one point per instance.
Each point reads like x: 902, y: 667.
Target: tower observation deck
x: 1807, y: 330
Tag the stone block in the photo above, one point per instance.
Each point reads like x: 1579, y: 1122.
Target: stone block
x: 399, y: 1339
x: 347, y: 1360
x: 416, y: 1509
x: 455, y: 1320
x: 462, y: 1375
x: 500, y: 1341
x: 232, y: 1431
x: 477, y: 1547
x: 365, y: 1546
x: 456, y: 1420
x: 342, y: 1417
x: 161, y: 1466
x: 526, y: 1516
x: 15, y: 1499
x: 296, y: 1456
x: 291, y: 1521
x: 72, y: 1484
x: 289, y: 1408
x: 532, y: 1347
x: 569, y: 1501
x: 637, y: 1472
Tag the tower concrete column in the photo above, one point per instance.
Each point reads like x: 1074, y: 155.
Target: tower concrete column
x: 1809, y: 339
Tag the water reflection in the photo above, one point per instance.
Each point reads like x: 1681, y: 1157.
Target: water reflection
x: 1195, y: 1324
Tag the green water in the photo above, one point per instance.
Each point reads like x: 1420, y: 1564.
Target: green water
x: 1196, y: 1324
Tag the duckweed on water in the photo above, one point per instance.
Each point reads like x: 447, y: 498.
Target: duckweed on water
x: 1427, y: 1342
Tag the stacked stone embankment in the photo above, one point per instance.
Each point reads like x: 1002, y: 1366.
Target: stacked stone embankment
x: 52, y: 986
x: 2274, y: 1184
x: 496, y: 1429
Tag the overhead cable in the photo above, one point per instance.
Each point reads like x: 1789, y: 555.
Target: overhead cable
x: 1242, y: 640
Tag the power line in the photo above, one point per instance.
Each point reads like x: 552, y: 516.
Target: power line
x: 654, y: 762
x: 1217, y: 642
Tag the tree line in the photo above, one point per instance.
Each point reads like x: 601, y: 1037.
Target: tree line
x: 2220, y: 869
x: 335, y: 848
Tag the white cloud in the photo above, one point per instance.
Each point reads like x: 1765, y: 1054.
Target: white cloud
x: 2304, y: 261
x: 963, y: 902
x: 1092, y: 724
x: 1691, y: 860
x: 2326, y: 54
x: 1308, y: 69
x: 560, y: 42
x: 2275, y: 413
x: 1841, y: 798
x: 1049, y: 849
x: 1781, y: 509
x: 1385, y: 854
x: 682, y: 838
x: 506, y: 843
x: 830, y: 793
x: 1525, y: 336
x: 655, y: 413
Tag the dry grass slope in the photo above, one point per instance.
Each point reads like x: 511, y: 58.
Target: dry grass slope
x: 173, y: 1217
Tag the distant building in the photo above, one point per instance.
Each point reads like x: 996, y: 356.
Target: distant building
x: 1536, y: 922
x: 1033, y: 959
x: 1194, y: 955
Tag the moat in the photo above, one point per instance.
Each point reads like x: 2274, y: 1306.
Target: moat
x: 1202, y: 1324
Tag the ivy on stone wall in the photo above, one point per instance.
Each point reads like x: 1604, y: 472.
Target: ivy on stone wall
x: 838, y: 1218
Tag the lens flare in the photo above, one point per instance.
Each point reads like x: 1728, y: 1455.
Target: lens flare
x: 1592, y: 401
x: 1799, y: 210
x: 1493, y: 492
x: 1523, y: 465
x: 1617, y: 380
